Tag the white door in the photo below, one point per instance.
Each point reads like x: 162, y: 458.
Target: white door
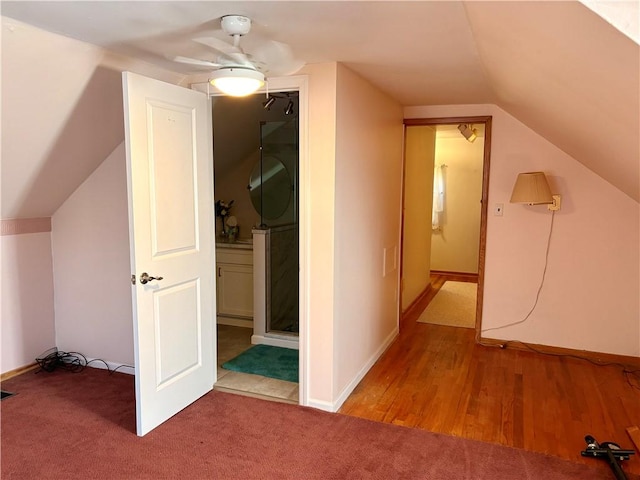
x: 170, y: 183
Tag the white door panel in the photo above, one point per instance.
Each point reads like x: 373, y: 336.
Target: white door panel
x: 170, y: 183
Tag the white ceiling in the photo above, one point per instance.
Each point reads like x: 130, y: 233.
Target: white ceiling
x: 555, y: 66
x: 418, y: 52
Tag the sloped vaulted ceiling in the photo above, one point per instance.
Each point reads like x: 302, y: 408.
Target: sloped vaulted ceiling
x: 61, y: 116
x: 556, y: 66
x: 563, y: 71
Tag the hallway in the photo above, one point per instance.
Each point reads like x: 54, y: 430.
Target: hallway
x: 437, y: 378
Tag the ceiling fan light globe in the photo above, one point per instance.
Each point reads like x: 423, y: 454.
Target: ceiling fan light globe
x: 237, y: 82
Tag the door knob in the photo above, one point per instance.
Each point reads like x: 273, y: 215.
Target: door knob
x: 145, y: 278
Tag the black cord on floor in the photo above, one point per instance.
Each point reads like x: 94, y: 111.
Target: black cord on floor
x: 74, y: 362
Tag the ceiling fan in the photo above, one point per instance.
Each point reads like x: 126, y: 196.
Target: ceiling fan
x: 239, y: 72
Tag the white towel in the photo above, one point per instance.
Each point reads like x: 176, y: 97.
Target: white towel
x: 438, y: 197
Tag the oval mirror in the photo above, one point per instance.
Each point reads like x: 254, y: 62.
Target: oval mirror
x: 270, y: 188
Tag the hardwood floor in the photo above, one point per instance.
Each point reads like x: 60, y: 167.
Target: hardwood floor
x: 437, y: 378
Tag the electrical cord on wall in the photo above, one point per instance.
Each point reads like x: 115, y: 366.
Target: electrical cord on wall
x: 544, y: 274
x: 74, y: 362
x: 628, y: 372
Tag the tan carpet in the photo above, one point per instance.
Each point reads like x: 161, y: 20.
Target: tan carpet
x: 454, y: 305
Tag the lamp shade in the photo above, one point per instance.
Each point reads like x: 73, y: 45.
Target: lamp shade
x: 532, y: 188
x: 237, y: 81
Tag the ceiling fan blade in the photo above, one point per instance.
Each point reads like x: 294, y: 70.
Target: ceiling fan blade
x: 195, y: 61
x: 217, y: 44
x: 277, y: 58
x: 240, y: 60
x: 288, y: 68
x: 229, y: 55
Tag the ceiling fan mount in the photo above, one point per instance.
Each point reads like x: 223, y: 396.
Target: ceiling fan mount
x: 263, y: 54
x: 238, y: 71
x: 235, y: 25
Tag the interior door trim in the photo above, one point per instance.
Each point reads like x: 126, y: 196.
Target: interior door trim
x: 486, y: 120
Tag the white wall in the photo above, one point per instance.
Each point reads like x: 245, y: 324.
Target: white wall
x: 420, y: 143
x: 90, y: 238
x: 590, y: 297
x: 367, y: 222
x: 27, y: 298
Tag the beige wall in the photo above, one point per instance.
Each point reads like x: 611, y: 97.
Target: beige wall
x: 320, y: 197
x: 53, y: 138
x: 61, y: 115
x: 232, y: 185
x: 454, y: 248
x: 420, y: 144
x: 590, y: 296
x: 90, y: 243
x: 368, y: 170
x: 27, y: 298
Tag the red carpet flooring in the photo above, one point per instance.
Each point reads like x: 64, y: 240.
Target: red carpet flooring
x: 66, y: 425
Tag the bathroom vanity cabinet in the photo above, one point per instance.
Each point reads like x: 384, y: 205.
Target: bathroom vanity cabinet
x: 234, y: 279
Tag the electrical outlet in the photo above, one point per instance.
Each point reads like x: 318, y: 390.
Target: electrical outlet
x: 498, y: 209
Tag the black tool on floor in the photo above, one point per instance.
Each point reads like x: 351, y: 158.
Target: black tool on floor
x: 4, y: 394
x: 609, y: 451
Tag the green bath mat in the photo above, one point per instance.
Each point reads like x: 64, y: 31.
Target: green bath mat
x: 268, y: 361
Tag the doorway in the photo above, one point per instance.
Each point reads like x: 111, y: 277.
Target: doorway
x: 445, y: 192
x: 256, y: 162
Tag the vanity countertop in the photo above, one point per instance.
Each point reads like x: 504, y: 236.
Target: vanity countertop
x: 242, y: 244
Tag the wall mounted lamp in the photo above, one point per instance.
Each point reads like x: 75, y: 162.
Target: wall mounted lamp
x: 532, y: 188
x: 237, y: 81
x: 468, y: 132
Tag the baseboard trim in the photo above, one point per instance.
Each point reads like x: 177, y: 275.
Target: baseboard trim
x: 321, y: 405
x: 416, y: 303
x: 273, y: 341
x: 597, y: 357
x: 112, y: 366
x: 97, y: 364
x: 346, y: 391
x: 18, y: 371
x: 472, y: 277
x: 234, y: 322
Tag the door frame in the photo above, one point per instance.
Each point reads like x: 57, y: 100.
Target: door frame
x: 484, y: 201
x: 299, y: 83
